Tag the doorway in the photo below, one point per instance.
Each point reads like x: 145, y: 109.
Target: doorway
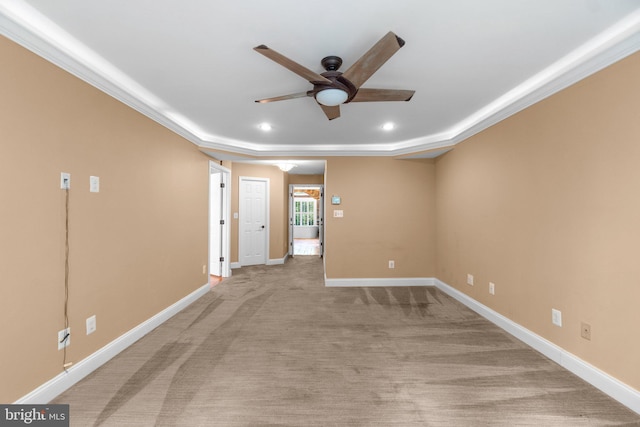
x: 306, y: 219
x: 254, y: 221
x: 219, y: 231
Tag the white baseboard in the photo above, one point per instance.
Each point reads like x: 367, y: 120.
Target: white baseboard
x: 621, y: 392
x: 278, y: 261
x: 618, y: 390
x: 54, y: 387
x: 392, y: 281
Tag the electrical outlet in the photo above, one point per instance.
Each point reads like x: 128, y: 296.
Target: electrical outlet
x: 91, y: 324
x: 492, y: 288
x: 470, y: 279
x: 65, y: 180
x: 392, y: 264
x: 585, y: 331
x: 204, y: 269
x: 556, y: 317
x: 64, y: 338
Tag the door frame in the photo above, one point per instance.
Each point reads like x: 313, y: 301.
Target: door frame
x: 225, y: 215
x: 320, y: 215
x: 267, y: 203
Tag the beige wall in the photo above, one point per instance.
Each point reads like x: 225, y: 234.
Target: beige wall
x: 546, y: 204
x: 136, y: 247
x: 389, y: 214
x: 278, y: 202
x: 306, y: 179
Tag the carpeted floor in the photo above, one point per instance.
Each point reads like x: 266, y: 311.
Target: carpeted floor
x: 272, y: 346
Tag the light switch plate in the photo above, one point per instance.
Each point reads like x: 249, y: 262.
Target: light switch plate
x: 94, y: 184
x: 91, y: 324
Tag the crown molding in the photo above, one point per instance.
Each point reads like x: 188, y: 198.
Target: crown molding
x: 24, y: 25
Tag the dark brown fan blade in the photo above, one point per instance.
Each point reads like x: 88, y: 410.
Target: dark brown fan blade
x: 285, y: 97
x: 369, y: 63
x: 374, y: 95
x: 331, y: 112
x: 303, y: 72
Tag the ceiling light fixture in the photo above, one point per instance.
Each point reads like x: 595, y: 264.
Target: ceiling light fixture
x: 388, y: 126
x: 286, y: 167
x: 264, y: 126
x: 331, y: 97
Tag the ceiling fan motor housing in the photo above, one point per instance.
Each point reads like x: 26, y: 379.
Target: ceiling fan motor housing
x: 332, y: 64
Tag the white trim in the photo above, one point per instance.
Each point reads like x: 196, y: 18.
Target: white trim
x: 377, y: 282
x: 319, y: 217
x: 609, y: 385
x: 618, y: 390
x: 278, y: 261
x: 275, y: 261
x: 26, y: 26
x: 226, y: 216
x: 63, y: 381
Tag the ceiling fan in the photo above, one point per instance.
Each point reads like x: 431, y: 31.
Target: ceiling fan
x: 332, y: 88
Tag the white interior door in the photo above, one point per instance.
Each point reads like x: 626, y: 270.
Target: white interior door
x: 253, y: 216
x: 219, y: 211
x: 215, y: 217
x: 321, y: 221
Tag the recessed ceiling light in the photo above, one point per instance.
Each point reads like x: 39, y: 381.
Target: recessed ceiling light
x: 264, y: 126
x: 388, y: 126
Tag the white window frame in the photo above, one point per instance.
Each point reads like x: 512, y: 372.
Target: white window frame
x: 297, y: 222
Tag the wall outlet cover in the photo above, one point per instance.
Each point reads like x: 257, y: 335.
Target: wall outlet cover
x: 65, y: 180
x: 556, y: 317
x: 91, y: 324
x: 64, y: 338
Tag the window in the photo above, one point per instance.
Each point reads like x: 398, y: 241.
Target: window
x: 304, y: 211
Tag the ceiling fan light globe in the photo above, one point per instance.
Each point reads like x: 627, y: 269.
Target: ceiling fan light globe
x: 331, y: 97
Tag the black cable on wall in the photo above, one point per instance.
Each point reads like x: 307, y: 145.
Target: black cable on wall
x: 66, y: 277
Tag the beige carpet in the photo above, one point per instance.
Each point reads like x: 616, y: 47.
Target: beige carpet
x: 272, y: 346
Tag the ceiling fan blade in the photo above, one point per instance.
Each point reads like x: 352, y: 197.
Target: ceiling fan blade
x: 303, y: 72
x: 369, y: 63
x: 373, y: 95
x: 285, y: 97
x: 331, y: 112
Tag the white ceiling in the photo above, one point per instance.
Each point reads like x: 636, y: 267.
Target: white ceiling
x: 190, y: 64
